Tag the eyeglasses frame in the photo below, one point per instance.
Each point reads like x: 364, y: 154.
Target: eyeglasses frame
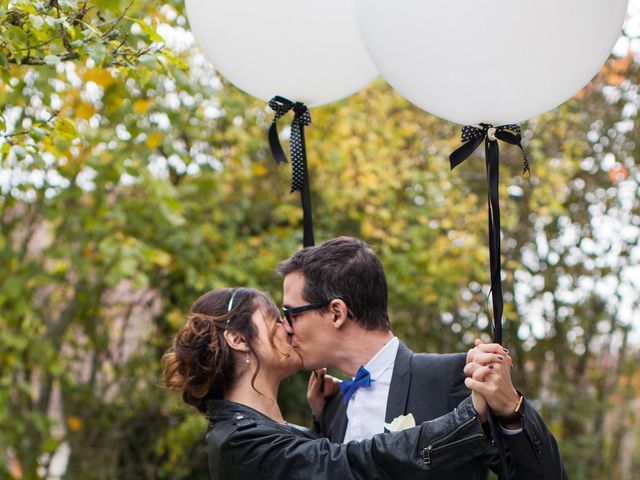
x: 290, y: 312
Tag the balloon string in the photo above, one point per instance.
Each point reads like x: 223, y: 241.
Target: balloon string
x: 299, y: 167
x: 472, y: 138
x: 492, y: 153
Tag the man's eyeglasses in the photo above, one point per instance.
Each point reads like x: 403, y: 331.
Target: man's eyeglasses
x: 290, y: 312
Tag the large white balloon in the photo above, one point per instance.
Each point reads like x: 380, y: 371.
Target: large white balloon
x: 304, y: 50
x: 491, y: 61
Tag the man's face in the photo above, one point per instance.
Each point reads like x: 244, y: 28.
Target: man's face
x: 310, y: 332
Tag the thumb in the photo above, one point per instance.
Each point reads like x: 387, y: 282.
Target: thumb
x: 474, y: 385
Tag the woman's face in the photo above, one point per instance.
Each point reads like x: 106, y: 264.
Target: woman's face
x: 272, y: 345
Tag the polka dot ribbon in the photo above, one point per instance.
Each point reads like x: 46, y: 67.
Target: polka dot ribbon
x: 299, y: 168
x: 472, y: 137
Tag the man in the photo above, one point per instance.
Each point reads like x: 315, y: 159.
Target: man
x: 335, y: 304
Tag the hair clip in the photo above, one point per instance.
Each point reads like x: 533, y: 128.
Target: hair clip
x: 230, y: 306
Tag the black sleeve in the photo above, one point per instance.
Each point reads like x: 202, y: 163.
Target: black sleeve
x: 273, y: 452
x: 533, y: 452
x: 457, y: 389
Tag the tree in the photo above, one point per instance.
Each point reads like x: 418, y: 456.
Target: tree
x: 135, y: 179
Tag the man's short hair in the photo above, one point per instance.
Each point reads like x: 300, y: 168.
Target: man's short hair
x: 344, y: 268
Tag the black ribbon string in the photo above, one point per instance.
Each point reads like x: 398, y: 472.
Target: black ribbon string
x: 299, y: 168
x: 472, y: 138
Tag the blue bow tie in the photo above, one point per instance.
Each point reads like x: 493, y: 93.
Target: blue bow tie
x: 349, y: 387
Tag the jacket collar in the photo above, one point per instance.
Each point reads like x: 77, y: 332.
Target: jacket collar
x: 400, y: 381
x: 220, y: 410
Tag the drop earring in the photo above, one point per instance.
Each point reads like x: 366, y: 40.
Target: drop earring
x: 247, y: 360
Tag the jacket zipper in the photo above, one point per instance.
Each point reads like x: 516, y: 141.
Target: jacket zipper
x: 435, y: 445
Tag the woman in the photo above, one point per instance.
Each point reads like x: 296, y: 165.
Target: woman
x: 228, y: 361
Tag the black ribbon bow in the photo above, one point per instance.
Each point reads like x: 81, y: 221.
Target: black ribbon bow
x: 299, y: 168
x: 472, y: 138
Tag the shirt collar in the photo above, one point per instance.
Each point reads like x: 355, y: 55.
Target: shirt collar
x: 384, y: 359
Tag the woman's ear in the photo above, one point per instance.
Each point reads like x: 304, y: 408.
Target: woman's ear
x: 236, y: 341
x: 339, y: 311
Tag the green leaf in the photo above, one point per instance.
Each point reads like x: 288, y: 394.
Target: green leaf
x: 5, y: 149
x: 149, y: 31
x: 19, y: 152
x: 73, y: 4
x: 53, y: 22
x: 97, y: 51
x: 65, y: 129
x: 37, y: 21
x: 50, y: 445
x: 37, y: 133
x: 25, y: 7
x: 52, y: 60
x: 15, y: 34
x: 108, y: 4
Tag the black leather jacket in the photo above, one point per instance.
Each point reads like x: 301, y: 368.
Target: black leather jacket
x: 244, y: 444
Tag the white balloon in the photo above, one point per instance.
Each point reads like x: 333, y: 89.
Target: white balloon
x: 305, y: 50
x: 489, y: 61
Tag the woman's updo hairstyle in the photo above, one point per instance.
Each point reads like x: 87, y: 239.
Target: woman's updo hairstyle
x: 200, y: 364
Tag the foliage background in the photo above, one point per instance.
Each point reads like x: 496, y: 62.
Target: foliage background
x: 133, y: 179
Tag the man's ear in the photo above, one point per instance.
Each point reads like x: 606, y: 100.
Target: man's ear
x: 236, y: 341
x: 339, y: 312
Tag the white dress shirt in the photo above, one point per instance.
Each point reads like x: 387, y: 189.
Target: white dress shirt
x: 368, y: 407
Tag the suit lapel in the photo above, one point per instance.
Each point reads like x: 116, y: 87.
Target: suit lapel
x: 340, y: 425
x: 334, y: 419
x: 400, y: 381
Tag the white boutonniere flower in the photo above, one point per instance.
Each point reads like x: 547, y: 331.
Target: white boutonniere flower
x: 401, y: 423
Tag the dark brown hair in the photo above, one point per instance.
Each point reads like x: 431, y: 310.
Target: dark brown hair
x: 200, y: 364
x: 345, y: 268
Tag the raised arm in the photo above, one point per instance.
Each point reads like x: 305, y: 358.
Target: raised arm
x: 533, y: 448
x: 269, y: 451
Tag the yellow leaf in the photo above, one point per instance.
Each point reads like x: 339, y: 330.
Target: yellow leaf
x: 65, y: 129
x: 141, y: 106
x: 259, y: 170
x: 74, y: 423
x: 155, y: 139
x: 175, y: 318
x: 100, y: 76
x: 160, y: 258
x: 85, y: 111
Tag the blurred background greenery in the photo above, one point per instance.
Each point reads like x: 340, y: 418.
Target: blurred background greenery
x: 133, y: 179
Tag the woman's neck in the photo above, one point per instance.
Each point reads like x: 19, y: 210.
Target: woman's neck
x: 264, y: 400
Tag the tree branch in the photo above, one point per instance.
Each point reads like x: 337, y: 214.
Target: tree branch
x: 26, y: 132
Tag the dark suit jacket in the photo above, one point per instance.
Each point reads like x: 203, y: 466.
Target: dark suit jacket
x: 431, y: 385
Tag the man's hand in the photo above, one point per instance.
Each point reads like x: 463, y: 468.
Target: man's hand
x: 488, y: 373
x: 321, y: 386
